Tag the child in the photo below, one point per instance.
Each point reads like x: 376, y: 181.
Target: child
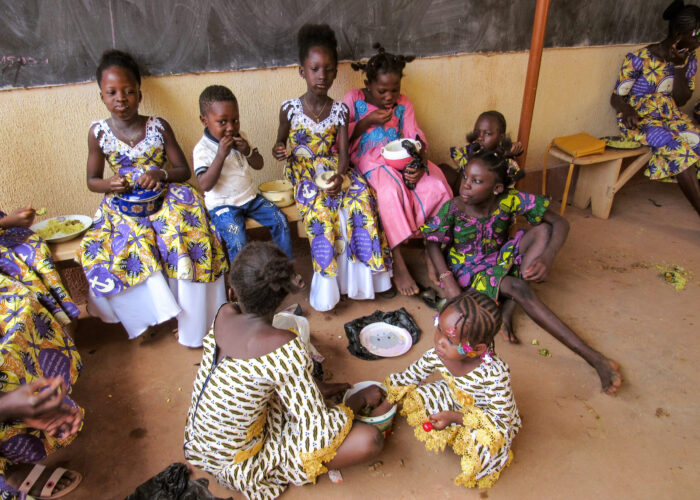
x: 474, y: 228
x: 489, y: 133
x: 257, y: 421
x: 222, y: 158
x: 379, y: 114
x: 145, y: 270
x: 35, y: 345
x: 472, y: 407
x: 347, y: 247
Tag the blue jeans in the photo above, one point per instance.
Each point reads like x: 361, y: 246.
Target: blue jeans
x: 229, y: 221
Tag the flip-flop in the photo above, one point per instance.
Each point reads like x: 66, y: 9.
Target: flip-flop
x: 429, y: 296
x: 50, y: 484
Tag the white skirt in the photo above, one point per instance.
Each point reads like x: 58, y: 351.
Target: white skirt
x: 354, y: 279
x: 157, y: 300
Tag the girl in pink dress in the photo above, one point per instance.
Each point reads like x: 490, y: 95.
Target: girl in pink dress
x: 379, y: 114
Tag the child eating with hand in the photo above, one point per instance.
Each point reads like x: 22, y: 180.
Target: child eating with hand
x: 223, y: 158
x: 472, y: 407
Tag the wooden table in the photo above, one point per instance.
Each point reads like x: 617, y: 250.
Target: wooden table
x: 600, y: 179
x: 68, y: 250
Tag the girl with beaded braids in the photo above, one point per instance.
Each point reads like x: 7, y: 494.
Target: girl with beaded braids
x: 471, y: 408
x: 379, y: 114
x: 467, y: 242
x: 257, y: 420
x: 349, y: 252
x: 653, y: 83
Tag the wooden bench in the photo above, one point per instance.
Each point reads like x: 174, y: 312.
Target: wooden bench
x: 601, y: 179
x: 68, y: 250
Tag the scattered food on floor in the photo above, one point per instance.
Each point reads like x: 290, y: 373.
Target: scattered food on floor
x: 535, y: 342
x: 335, y: 476
x: 660, y: 412
x: 675, y: 275
x: 375, y: 465
x: 545, y: 353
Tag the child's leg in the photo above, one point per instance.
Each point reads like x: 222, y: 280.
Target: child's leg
x: 229, y: 222
x: 531, y: 246
x: 690, y: 186
x: 520, y: 291
x: 362, y: 443
x: 403, y: 279
x: 267, y: 214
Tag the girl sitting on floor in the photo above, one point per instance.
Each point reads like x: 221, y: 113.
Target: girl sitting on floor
x: 379, y: 114
x: 471, y: 408
x: 473, y: 228
x: 258, y: 421
x: 348, y: 250
x: 143, y: 271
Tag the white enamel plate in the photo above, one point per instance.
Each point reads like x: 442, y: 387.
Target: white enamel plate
x: 383, y: 339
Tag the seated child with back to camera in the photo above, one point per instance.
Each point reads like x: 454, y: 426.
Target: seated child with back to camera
x: 222, y: 161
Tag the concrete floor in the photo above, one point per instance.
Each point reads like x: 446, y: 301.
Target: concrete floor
x: 576, y: 442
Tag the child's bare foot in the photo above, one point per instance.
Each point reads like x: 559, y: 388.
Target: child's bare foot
x: 609, y: 373
x: 403, y: 280
x: 508, y: 334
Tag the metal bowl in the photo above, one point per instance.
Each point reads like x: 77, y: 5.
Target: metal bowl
x: 139, y: 202
x: 281, y: 192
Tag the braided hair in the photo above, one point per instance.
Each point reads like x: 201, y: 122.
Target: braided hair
x: 120, y: 59
x: 316, y: 35
x: 498, y: 161
x: 382, y: 62
x: 681, y: 18
x: 261, y: 275
x: 500, y: 120
x: 480, y: 317
x: 212, y: 94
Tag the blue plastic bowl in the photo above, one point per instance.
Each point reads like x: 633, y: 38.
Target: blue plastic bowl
x: 139, y: 202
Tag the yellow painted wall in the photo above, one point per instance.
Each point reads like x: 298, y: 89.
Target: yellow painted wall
x: 43, y: 131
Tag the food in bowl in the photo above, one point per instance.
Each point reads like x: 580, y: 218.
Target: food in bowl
x: 396, y: 155
x: 280, y: 192
x: 56, y: 226
x: 383, y: 422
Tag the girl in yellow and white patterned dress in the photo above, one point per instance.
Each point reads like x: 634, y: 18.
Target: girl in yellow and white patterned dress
x: 472, y: 408
x: 257, y: 421
x: 143, y: 271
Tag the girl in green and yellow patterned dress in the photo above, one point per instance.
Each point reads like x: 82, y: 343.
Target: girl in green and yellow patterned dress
x: 473, y: 229
x: 349, y: 252
x: 258, y: 421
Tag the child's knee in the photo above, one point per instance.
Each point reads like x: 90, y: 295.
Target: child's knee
x: 373, y: 441
x: 517, y: 288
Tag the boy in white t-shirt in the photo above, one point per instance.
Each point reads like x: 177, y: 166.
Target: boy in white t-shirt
x: 222, y: 161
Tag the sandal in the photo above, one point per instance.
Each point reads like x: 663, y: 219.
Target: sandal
x: 429, y: 296
x: 50, y: 484
x: 387, y: 294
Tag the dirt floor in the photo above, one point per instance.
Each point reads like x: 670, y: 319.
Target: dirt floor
x: 576, y: 442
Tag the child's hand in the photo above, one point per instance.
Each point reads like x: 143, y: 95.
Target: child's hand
x: 413, y: 175
x: 630, y: 118
x: 151, y: 179
x: 279, y: 152
x: 118, y: 184
x: 225, y: 145
x: 334, y: 189
x: 517, y: 149
x: 241, y: 145
x: 33, y: 399
x: 22, y: 217
x: 539, y: 269
x: 379, y: 116
x: 677, y: 56
x: 373, y: 395
x: 444, y: 418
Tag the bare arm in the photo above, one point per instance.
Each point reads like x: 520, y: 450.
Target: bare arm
x: 279, y: 150
x: 95, y: 169
x: 180, y: 171
x: 452, y: 288
x: 629, y: 115
x: 681, y: 92
x: 539, y: 268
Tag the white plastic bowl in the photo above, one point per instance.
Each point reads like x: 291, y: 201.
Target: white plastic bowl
x: 382, y: 422
x: 395, y: 151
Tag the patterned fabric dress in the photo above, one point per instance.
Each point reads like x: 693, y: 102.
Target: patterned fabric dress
x: 402, y: 210
x: 479, y: 253
x: 120, y: 252
x: 484, y: 396
x: 259, y: 424
x: 342, y: 227
x: 646, y: 83
x: 34, y: 344
x: 25, y: 257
